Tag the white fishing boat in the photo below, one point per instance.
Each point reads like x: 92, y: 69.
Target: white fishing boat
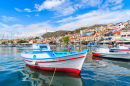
x: 105, y: 52
x: 3, y: 45
x: 18, y: 45
x: 120, y: 48
x: 42, y: 57
x: 11, y: 45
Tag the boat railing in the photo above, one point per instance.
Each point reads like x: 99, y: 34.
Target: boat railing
x: 39, y: 50
x: 32, y: 50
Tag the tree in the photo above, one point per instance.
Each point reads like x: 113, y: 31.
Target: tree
x: 93, y: 33
x: 61, y: 40
x: 22, y: 41
x: 34, y: 42
x: 11, y: 41
x: 3, y: 43
x: 66, y: 40
x: 36, y: 37
x: 101, y: 39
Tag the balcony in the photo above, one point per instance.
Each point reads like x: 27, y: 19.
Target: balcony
x: 125, y: 38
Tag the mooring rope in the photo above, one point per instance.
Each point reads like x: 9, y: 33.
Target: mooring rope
x: 54, y: 72
x: 106, y: 69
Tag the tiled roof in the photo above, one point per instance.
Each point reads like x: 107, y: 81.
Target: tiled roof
x: 87, y: 35
x: 115, y: 32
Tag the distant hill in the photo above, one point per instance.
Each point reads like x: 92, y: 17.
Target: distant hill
x: 64, y: 32
x: 90, y: 27
x: 56, y: 34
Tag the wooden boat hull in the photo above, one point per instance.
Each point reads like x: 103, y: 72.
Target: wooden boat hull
x: 71, y: 63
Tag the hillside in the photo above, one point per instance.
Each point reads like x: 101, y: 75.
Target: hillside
x: 55, y: 34
x: 64, y: 32
x: 90, y: 27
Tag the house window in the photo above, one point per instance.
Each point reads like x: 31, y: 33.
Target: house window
x: 123, y: 35
x: 128, y: 35
x: 118, y: 33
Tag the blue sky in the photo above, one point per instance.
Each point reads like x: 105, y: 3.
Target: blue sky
x: 27, y: 18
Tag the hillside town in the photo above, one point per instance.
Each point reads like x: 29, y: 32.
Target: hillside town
x: 119, y: 32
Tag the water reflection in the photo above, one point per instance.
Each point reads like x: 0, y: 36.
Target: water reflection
x: 114, y: 62
x: 43, y: 78
x: 93, y: 73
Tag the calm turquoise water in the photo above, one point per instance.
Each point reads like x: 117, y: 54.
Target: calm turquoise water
x: 14, y: 72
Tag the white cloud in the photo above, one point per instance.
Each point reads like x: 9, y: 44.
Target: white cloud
x: 27, y: 10
x: 112, y: 4
x: 70, y: 23
x: 37, y: 15
x: 91, y: 3
x: 31, y: 30
x: 48, y: 4
x: 94, y: 17
x: 117, y: 7
x: 67, y: 11
x: 7, y: 19
x: 66, y: 7
x: 28, y: 15
x: 69, y: 19
x: 115, y: 1
x: 17, y: 9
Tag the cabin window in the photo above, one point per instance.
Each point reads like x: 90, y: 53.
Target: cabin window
x: 45, y: 47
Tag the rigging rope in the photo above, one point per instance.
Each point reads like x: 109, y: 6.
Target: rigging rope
x: 54, y: 72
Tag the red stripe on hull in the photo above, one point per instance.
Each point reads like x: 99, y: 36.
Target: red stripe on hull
x: 95, y: 54
x: 54, y: 61
x: 69, y: 70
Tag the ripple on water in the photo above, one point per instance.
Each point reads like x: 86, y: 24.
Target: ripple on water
x: 100, y: 77
x: 14, y: 72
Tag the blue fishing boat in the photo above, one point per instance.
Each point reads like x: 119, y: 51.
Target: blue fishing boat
x: 42, y: 57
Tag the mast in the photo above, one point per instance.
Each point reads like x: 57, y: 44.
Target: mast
x: 17, y: 34
x: 74, y: 37
x: 1, y: 34
x: 2, y: 37
x: 11, y: 37
x: 46, y: 35
x: 7, y: 38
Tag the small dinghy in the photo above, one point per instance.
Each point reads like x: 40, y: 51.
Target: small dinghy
x: 42, y: 57
x: 105, y: 52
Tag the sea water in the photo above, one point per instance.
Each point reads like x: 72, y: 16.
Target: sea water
x: 95, y: 72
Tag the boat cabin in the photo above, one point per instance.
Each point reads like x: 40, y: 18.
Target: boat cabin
x: 41, y: 46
